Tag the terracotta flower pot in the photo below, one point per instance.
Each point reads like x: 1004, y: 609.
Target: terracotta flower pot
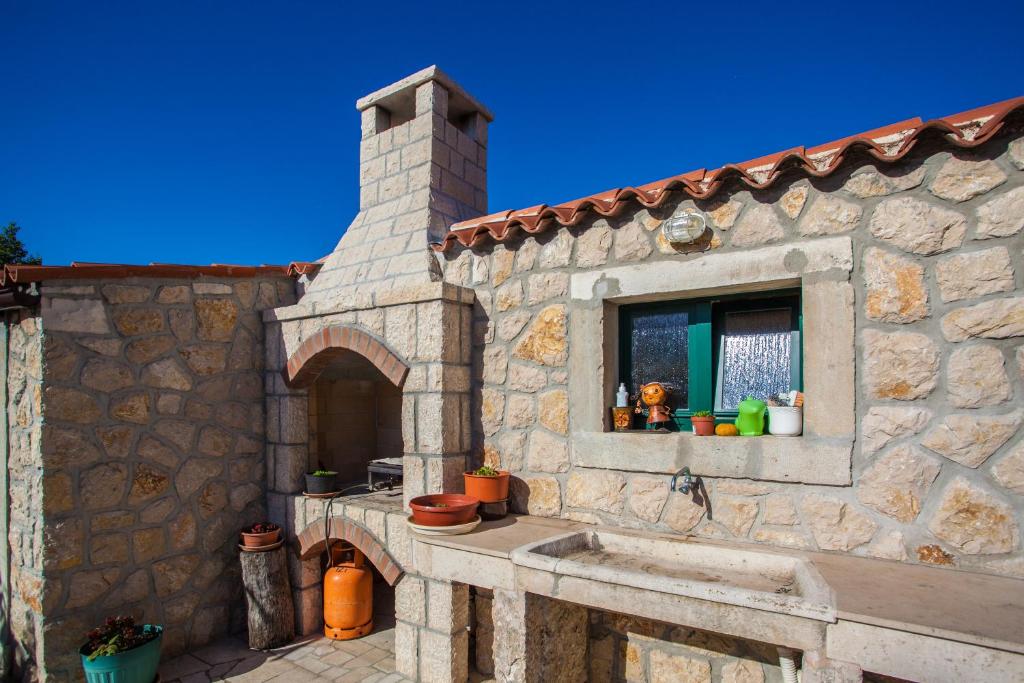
x: 260, y: 540
x: 703, y: 426
x: 492, y: 489
x: 443, y: 509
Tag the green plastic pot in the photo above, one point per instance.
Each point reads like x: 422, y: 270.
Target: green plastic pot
x: 138, y: 665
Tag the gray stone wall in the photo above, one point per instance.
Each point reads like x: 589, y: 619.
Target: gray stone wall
x: 937, y: 466
x: 28, y: 596
x: 152, y: 454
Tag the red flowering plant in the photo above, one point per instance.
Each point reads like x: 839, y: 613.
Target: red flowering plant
x: 261, y: 528
x: 117, y: 634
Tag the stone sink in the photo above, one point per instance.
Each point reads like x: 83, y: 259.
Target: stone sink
x: 745, y: 578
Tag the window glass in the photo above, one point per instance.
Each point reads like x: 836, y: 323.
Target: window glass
x: 658, y: 352
x: 755, y: 355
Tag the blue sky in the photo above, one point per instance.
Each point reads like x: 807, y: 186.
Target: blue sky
x: 199, y: 132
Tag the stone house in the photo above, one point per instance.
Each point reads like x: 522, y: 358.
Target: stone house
x: 152, y: 411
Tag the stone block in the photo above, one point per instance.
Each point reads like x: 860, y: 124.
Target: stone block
x: 967, y: 276
x: 75, y: 315
x: 1002, y: 216
x: 758, y: 225
x: 596, y: 490
x: 976, y: 377
x: 309, y: 609
x: 443, y: 658
x: 960, y: 179
x: 410, y: 600
x: 901, y: 365
x: 829, y: 215
x: 829, y: 358
x: 407, y: 650
x: 917, y: 226
x: 447, y: 606
x: 896, y: 290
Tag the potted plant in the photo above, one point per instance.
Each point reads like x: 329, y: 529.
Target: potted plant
x: 260, y: 535
x: 443, y: 509
x: 322, y: 481
x: 703, y: 423
x: 487, y: 484
x: 121, y: 652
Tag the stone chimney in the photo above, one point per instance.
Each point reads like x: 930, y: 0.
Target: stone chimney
x: 422, y: 167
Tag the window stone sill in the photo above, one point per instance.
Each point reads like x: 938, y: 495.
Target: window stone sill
x: 800, y: 459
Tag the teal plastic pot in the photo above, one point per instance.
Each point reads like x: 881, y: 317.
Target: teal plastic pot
x: 137, y: 665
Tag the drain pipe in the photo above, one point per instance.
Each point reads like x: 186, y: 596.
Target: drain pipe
x: 787, y: 663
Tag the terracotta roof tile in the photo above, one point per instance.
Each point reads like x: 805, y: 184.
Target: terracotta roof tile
x: 887, y: 144
x: 84, y: 271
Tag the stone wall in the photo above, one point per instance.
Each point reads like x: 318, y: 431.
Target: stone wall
x: 934, y: 339
x: 24, y: 476
x: 153, y: 453
x: 625, y: 648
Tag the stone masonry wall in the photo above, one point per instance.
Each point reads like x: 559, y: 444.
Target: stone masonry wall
x: 153, y: 454
x: 938, y: 274
x: 623, y: 648
x: 25, y: 489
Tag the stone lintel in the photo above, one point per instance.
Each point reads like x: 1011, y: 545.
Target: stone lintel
x: 794, y: 459
x: 431, y: 291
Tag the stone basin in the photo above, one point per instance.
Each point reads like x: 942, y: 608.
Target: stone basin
x: 746, y: 578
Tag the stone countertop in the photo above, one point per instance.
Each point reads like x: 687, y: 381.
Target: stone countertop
x: 981, y: 609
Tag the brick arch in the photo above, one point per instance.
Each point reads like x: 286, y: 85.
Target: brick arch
x: 317, y: 352
x: 312, y: 543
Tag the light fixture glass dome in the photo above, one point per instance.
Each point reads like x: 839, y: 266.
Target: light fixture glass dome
x: 684, y: 228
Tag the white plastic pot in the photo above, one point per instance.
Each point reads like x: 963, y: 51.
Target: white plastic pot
x: 785, y: 421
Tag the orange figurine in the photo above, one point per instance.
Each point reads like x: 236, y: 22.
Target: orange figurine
x: 654, y: 395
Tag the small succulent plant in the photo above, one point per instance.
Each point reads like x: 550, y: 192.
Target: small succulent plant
x: 486, y: 471
x: 261, y: 528
x: 702, y: 413
x: 324, y: 473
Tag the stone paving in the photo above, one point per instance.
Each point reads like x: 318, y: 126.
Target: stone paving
x: 315, y: 658
x: 370, y: 659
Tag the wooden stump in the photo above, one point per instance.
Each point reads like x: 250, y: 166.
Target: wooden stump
x: 268, y: 597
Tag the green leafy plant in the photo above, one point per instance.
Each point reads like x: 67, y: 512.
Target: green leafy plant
x: 117, y: 634
x: 702, y: 413
x: 324, y: 473
x: 486, y: 471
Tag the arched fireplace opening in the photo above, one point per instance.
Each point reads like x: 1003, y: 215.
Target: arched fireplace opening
x: 355, y: 423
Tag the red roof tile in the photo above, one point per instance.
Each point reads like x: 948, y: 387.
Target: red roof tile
x: 87, y: 271
x: 887, y: 144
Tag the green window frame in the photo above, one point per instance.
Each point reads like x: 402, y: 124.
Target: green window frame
x: 706, y: 322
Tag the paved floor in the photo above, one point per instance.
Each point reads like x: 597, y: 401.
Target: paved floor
x: 370, y: 659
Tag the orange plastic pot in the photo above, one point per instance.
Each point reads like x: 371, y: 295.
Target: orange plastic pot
x: 703, y: 426
x: 443, y: 509
x: 492, y: 489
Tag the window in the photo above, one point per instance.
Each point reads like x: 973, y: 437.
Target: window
x: 713, y: 352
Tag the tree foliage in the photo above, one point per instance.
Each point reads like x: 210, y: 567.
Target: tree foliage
x: 12, y: 250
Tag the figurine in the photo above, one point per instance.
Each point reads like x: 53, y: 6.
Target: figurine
x: 654, y: 395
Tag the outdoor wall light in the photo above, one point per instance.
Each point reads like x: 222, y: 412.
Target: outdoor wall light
x: 684, y: 228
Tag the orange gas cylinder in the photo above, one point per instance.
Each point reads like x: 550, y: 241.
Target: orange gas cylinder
x: 348, y: 595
